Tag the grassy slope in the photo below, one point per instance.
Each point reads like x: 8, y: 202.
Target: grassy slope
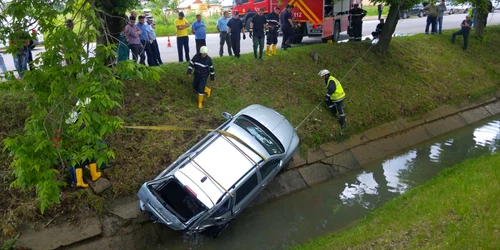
x: 456, y: 210
x: 419, y: 74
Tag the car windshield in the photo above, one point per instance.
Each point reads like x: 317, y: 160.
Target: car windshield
x: 260, y: 133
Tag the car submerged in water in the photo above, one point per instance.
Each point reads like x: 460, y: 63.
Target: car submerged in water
x: 211, y: 183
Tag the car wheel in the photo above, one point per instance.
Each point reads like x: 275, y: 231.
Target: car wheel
x: 336, y: 33
x: 420, y: 14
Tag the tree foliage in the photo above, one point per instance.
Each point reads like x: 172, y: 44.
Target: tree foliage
x: 71, y: 69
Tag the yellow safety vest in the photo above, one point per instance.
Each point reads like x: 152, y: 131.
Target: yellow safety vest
x: 339, y: 91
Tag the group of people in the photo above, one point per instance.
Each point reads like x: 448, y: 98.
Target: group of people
x: 140, y: 39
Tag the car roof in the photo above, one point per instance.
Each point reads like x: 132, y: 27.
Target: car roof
x: 223, y: 162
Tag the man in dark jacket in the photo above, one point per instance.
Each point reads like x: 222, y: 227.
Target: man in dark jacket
x: 356, y: 15
x: 272, y: 34
x: 257, y: 29
x: 234, y: 27
x: 379, y: 29
x: 203, y: 67
x: 287, y: 25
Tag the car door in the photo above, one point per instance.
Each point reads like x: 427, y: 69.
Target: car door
x: 268, y: 171
x: 246, y: 192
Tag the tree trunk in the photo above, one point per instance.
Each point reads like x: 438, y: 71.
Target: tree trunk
x: 479, y: 26
x: 112, y: 23
x: 390, y: 26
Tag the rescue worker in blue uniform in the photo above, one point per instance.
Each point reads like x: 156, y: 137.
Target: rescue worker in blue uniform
x: 356, y: 15
x: 234, y: 27
x: 287, y: 26
x: 335, y: 95
x: 202, y: 66
x: 273, y: 23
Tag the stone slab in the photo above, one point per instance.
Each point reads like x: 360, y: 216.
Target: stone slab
x: 315, y: 173
x: 314, y: 155
x: 291, y: 181
x: 332, y: 148
x: 346, y: 159
x: 61, y: 235
x: 297, y: 161
x: 376, y: 149
x: 474, y: 115
x: 441, y: 112
x: 445, y: 125
x: 100, y: 185
x: 493, y: 108
x: 355, y: 141
x: 384, y: 130
x: 414, y: 136
x: 412, y: 123
x: 126, y: 208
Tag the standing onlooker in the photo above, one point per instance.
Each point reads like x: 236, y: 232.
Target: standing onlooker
x: 203, y: 67
x: 272, y: 34
x: 234, y: 27
x: 134, y: 14
x: 181, y: 24
x: 154, y: 46
x: 378, y: 29
x: 20, y: 40
x: 380, y: 8
x: 489, y: 8
x: 257, y: 27
x: 356, y: 15
x: 223, y: 35
x: 432, y: 15
x: 122, y: 46
x: 146, y: 41
x: 442, y: 9
x: 132, y: 33
x: 200, y: 33
x: 3, y: 68
x: 465, y: 31
x: 286, y: 21
x: 335, y: 95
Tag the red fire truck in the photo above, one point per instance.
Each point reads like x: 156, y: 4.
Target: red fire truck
x: 314, y: 17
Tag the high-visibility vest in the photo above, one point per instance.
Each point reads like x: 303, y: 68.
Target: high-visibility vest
x: 339, y: 91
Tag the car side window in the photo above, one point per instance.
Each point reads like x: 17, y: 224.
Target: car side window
x: 267, y: 168
x: 223, y: 209
x: 246, y: 188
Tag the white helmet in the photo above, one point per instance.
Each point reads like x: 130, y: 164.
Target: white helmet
x: 323, y: 72
x: 203, y: 50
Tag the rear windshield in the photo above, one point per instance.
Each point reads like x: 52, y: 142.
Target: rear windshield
x: 183, y: 203
x: 261, y: 134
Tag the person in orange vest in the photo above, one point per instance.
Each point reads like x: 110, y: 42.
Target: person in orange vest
x: 335, y: 95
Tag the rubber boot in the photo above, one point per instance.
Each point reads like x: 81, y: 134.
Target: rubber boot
x: 79, y: 178
x: 200, y: 101
x: 208, y: 91
x: 274, y: 49
x: 268, y: 50
x: 342, y: 122
x: 93, y: 172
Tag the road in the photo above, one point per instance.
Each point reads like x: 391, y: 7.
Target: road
x: 408, y: 26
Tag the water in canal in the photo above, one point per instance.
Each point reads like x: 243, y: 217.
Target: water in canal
x: 336, y: 203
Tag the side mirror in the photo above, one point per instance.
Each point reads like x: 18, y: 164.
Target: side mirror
x: 227, y: 115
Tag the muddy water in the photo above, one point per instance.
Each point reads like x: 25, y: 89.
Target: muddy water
x: 335, y: 204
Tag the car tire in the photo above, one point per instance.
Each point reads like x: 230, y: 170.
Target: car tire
x: 420, y: 14
x: 336, y: 33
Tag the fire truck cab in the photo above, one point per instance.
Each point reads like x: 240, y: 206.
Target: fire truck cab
x: 325, y: 18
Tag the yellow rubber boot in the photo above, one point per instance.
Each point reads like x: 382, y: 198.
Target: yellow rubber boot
x: 274, y: 49
x: 268, y: 50
x: 208, y: 91
x: 93, y: 172
x: 79, y: 178
x: 200, y: 101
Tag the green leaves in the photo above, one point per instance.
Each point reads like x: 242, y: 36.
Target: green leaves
x: 76, y: 88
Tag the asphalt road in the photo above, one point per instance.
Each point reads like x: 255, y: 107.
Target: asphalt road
x: 407, y: 26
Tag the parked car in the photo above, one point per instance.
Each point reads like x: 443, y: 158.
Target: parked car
x: 416, y: 10
x: 458, y: 8
x: 211, y: 183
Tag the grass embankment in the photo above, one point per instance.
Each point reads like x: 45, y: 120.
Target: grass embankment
x: 418, y: 74
x: 456, y: 210
x: 372, y: 10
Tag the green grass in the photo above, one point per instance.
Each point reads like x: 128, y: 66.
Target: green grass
x: 418, y: 74
x: 373, y: 10
x: 456, y: 210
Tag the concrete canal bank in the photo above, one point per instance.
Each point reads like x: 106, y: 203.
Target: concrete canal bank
x: 123, y: 226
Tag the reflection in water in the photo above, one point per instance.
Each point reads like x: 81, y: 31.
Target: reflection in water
x: 335, y: 204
